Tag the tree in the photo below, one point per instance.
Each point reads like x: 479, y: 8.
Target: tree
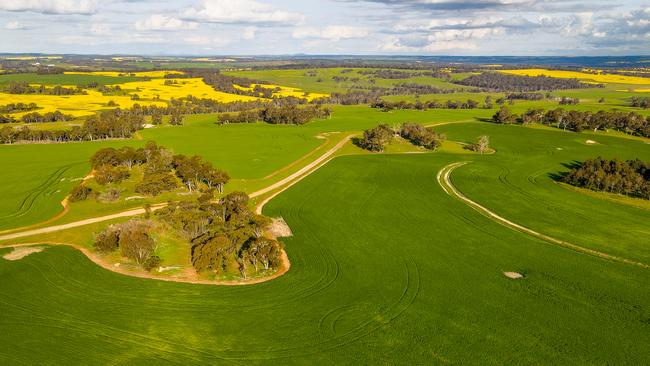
x: 504, y: 116
x: 153, y: 262
x: 376, y: 138
x: 483, y: 144
x: 108, y: 240
x: 135, y: 243
x: 176, y: 119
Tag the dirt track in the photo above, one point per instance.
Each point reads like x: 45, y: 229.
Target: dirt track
x: 445, y: 182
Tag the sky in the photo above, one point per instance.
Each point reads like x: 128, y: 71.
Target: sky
x: 350, y: 27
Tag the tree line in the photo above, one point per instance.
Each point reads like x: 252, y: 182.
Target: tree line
x: 23, y: 87
x: 578, y: 121
x: 495, y: 81
x: 387, y: 106
x: 18, y: 107
x: 287, y: 115
x: 117, y: 123
x: 631, y: 177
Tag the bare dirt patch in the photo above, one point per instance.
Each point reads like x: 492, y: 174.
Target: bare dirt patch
x: 513, y: 275
x: 21, y: 252
x: 279, y: 228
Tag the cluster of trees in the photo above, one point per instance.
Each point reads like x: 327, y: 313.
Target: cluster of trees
x: 375, y: 139
x: 23, y: 87
x: 56, y: 116
x: 134, y: 241
x: 162, y: 170
x: 569, y: 101
x: 638, y: 102
x: 278, y: 115
x: 421, y: 136
x: 225, y: 236
x: 631, y: 178
x: 578, y: 121
x: 525, y: 96
x: 496, y: 81
x: 18, y: 107
x: 117, y: 123
x: 421, y: 106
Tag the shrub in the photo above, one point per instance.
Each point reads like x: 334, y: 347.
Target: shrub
x: 79, y: 193
x: 152, y: 263
x: 107, y: 240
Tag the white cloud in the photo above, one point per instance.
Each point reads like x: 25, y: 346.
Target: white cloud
x: 241, y: 11
x: 100, y: 29
x: 249, y: 33
x: 207, y: 41
x: 331, y: 33
x: 14, y: 25
x: 51, y: 6
x: 163, y: 22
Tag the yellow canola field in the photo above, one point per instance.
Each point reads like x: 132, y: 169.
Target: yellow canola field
x: 156, y: 89
x: 76, y: 105
x: 285, y: 91
x: 600, y: 78
x: 142, y: 74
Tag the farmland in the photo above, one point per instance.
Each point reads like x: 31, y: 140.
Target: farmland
x: 386, y: 266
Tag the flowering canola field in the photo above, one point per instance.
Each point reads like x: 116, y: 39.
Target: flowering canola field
x: 285, y: 91
x: 601, y: 78
x: 157, y: 89
x: 76, y: 105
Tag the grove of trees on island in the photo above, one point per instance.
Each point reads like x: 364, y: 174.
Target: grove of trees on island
x: 224, y: 235
x: 631, y: 177
x: 162, y: 171
x: 376, y: 139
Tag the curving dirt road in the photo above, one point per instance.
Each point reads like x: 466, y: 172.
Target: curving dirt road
x: 444, y: 180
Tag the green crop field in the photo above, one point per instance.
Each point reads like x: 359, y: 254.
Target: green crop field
x: 386, y: 267
x: 421, y: 278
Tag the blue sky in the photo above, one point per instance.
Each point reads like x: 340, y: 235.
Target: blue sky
x: 404, y: 27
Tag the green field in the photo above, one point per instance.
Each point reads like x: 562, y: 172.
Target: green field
x: 415, y: 279
x: 386, y: 267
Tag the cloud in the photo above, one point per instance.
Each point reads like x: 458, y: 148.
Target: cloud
x: 51, y: 6
x: 331, y: 33
x: 14, y: 25
x: 249, y: 33
x: 207, y: 41
x: 241, y: 12
x: 441, y: 40
x: 158, y: 22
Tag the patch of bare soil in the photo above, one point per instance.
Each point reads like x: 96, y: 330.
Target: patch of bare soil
x: 513, y: 275
x: 279, y: 228
x: 21, y: 252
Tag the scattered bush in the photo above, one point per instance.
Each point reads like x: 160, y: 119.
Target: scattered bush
x: 79, y: 193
